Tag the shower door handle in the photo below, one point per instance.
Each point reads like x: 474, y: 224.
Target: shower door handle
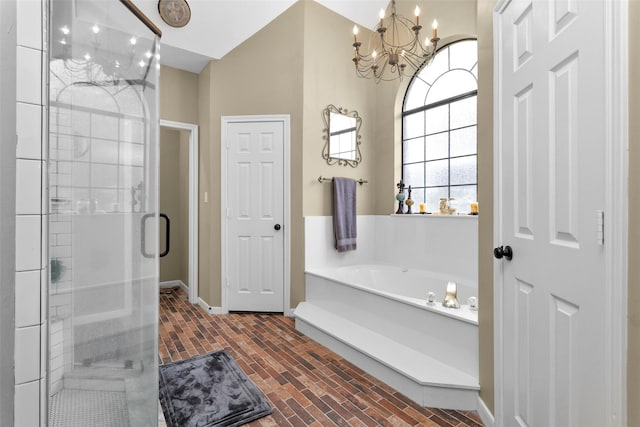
x: 167, y: 234
x: 143, y: 235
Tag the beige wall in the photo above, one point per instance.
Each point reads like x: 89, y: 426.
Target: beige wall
x: 633, y: 354
x: 179, y: 93
x: 485, y: 198
x: 182, y: 238
x: 329, y: 78
x: 174, y: 199
x: 313, y: 71
x: 261, y: 76
x: 180, y: 99
x: 209, y: 229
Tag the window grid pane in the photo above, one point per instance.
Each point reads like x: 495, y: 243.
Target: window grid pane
x: 414, y: 150
x: 439, y: 153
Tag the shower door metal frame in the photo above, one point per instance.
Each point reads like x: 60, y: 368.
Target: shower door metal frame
x: 143, y: 347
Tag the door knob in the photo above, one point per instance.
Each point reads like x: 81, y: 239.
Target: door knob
x: 505, y: 252
x: 277, y: 227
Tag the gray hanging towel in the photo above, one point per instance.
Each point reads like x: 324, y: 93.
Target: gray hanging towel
x: 344, y: 214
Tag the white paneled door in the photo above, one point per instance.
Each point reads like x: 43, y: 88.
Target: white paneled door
x: 550, y: 175
x: 254, y: 215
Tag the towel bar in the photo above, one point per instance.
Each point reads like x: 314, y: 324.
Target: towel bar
x: 359, y: 181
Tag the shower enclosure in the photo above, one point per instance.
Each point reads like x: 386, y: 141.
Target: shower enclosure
x: 103, y: 174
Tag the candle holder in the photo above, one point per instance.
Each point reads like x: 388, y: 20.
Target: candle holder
x: 409, y: 202
x: 473, y: 208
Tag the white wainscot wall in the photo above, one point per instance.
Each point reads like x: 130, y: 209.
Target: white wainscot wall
x: 444, y: 245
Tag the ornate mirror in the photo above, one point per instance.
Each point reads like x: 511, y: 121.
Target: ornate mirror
x: 342, y: 136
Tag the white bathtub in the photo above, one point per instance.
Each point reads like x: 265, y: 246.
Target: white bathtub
x: 377, y: 317
x: 406, y: 285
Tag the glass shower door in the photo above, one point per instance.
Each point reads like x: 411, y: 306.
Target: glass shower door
x: 103, y: 166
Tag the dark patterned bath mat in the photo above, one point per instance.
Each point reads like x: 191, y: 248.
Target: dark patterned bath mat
x: 209, y: 390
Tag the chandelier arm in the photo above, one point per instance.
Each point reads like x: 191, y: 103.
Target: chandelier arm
x: 415, y: 64
x: 419, y: 57
x: 383, y: 68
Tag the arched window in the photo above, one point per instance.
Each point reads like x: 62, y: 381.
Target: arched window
x: 439, y: 124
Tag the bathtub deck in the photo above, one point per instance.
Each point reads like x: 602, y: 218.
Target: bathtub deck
x: 424, y: 379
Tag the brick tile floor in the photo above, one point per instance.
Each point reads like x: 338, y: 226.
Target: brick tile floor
x: 306, y: 383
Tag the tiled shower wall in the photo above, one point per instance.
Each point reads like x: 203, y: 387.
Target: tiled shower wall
x: 31, y: 215
x: 60, y: 248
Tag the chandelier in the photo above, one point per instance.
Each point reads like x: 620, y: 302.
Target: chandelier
x: 398, y: 50
x: 88, y: 54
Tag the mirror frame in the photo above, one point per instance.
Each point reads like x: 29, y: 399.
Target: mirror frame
x: 326, y: 113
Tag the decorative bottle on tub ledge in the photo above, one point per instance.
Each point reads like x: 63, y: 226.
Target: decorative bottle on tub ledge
x: 400, y: 197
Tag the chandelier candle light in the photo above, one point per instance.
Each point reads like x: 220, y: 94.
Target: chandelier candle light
x: 399, y: 50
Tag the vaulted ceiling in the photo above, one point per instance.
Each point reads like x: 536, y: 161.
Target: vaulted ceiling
x: 218, y: 26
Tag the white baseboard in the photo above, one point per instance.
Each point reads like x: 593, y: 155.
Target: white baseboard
x: 172, y: 283
x: 485, y: 414
x: 218, y: 310
x: 211, y: 310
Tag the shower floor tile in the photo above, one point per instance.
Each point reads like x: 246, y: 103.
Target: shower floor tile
x: 82, y: 408
x: 306, y: 383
